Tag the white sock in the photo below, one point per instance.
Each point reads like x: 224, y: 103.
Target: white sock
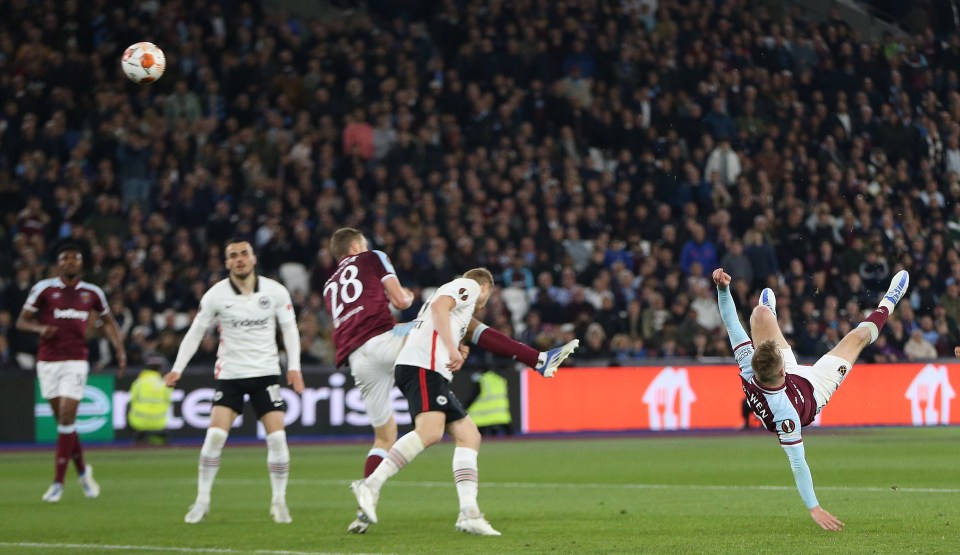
x: 278, y: 463
x: 403, y: 451
x: 467, y: 478
x: 209, y: 462
x: 872, y: 328
x: 887, y: 304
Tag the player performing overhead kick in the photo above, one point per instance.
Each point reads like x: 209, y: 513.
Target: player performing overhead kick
x: 785, y: 395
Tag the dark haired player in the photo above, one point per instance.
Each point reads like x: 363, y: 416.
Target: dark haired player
x: 247, y: 309
x: 60, y: 309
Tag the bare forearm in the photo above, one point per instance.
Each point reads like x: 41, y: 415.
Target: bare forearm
x: 441, y: 318
x: 28, y: 324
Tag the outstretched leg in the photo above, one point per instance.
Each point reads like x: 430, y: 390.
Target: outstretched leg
x: 867, y: 332
x: 763, y: 321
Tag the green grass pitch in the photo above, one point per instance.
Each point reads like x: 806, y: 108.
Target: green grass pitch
x: 897, y: 490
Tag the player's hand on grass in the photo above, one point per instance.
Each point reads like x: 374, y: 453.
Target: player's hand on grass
x: 48, y: 331
x: 171, y: 378
x: 826, y: 520
x: 721, y: 278
x: 456, y: 360
x: 295, y: 380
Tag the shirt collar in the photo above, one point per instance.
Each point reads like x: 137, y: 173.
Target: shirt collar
x: 256, y: 285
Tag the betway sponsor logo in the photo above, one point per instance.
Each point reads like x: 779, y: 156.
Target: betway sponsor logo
x: 70, y: 314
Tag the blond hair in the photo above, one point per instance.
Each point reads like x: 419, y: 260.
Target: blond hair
x: 341, y: 241
x: 480, y: 275
x: 767, y: 361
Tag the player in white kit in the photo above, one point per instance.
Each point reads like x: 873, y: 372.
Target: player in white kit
x: 247, y: 309
x: 424, y: 370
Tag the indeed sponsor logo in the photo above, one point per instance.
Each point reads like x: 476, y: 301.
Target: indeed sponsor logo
x: 70, y: 314
x: 248, y: 323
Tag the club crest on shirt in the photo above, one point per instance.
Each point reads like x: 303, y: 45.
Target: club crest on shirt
x: 265, y: 303
x: 84, y: 297
x: 842, y: 371
x: 441, y: 400
x: 463, y: 294
x: 787, y: 426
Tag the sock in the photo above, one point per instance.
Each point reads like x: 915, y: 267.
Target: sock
x: 209, y: 462
x: 466, y: 477
x: 874, y: 323
x: 78, y: 455
x: 374, y: 458
x: 403, y: 451
x: 497, y: 343
x: 66, y: 437
x: 278, y: 463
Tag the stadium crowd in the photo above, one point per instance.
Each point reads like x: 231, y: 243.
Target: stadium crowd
x: 601, y: 158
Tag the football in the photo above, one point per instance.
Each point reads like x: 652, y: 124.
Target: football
x: 143, y: 62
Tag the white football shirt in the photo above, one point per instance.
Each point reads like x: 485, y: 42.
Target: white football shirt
x: 423, y: 348
x: 247, y: 326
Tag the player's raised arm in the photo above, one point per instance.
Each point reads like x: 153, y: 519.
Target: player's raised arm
x: 739, y: 340
x: 191, y: 341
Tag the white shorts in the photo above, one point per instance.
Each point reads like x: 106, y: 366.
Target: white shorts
x: 63, y: 378
x: 372, y: 368
x: 825, y: 375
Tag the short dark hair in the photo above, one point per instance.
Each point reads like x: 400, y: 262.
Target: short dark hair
x: 235, y: 240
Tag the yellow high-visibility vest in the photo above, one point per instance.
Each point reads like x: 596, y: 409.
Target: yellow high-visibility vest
x: 492, y: 407
x: 149, y: 402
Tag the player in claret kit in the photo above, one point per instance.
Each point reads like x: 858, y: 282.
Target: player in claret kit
x: 785, y: 395
x: 59, y: 309
x: 424, y: 370
x: 247, y: 308
x: 358, y: 296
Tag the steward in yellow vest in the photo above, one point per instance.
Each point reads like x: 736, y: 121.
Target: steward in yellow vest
x: 149, y: 403
x: 490, y: 411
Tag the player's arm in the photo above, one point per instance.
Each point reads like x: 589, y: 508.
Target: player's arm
x: 191, y: 341
x: 793, y: 446
x: 116, y: 338
x: 739, y: 340
x: 440, y: 310
x: 400, y: 297
x: 27, y: 320
x: 287, y: 319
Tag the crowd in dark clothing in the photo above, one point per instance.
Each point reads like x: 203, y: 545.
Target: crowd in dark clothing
x: 600, y: 158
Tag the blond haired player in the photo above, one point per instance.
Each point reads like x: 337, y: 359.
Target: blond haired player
x: 424, y: 370
x: 784, y: 395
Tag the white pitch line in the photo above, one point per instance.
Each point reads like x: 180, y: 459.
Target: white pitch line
x: 544, y: 485
x: 164, y: 549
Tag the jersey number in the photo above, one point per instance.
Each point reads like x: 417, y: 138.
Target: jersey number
x: 348, y: 287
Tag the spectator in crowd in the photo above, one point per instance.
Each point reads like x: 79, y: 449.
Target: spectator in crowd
x: 812, y: 144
